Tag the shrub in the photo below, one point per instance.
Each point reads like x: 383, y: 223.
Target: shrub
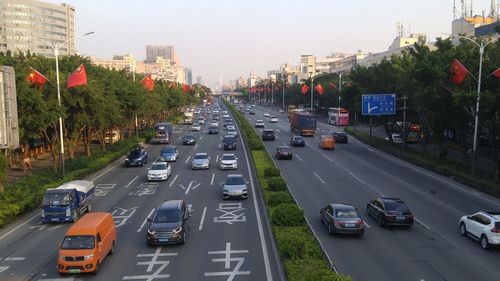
x: 295, y: 243
x: 274, y: 198
x: 311, y: 270
x: 287, y: 215
x: 276, y: 183
x: 272, y: 172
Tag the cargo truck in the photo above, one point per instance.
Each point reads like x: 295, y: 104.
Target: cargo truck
x: 67, y: 202
x: 163, y: 133
x: 302, y: 123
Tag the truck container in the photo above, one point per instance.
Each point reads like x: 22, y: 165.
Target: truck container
x: 67, y: 202
x: 163, y: 133
x: 302, y: 123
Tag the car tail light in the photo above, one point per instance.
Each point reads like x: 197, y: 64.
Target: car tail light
x: 361, y: 223
x: 495, y: 230
x: 338, y: 223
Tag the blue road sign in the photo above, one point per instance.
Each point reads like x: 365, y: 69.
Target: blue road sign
x: 380, y: 104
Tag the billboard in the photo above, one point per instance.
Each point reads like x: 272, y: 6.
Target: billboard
x: 9, y: 129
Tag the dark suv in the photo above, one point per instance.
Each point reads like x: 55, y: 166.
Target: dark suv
x: 268, y: 134
x: 136, y: 157
x: 229, y: 142
x: 169, y: 223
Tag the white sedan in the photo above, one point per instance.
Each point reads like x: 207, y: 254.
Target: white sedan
x: 196, y: 128
x: 228, y: 161
x: 159, y: 171
x: 273, y: 119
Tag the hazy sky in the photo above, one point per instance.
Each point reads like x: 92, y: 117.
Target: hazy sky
x: 230, y: 38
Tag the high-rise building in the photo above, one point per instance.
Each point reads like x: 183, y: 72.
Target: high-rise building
x: 28, y: 25
x: 199, y: 80
x: 188, y: 75
x: 119, y: 63
x: 164, y: 51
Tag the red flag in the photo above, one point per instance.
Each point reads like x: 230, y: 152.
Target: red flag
x: 458, y: 71
x: 320, y: 89
x: 36, y: 78
x: 277, y: 88
x: 185, y: 88
x: 305, y: 88
x: 78, y: 77
x: 148, y: 82
x: 268, y: 90
x: 331, y: 85
x: 288, y: 85
x: 496, y: 73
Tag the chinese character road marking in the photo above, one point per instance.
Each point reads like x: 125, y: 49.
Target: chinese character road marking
x: 154, y: 261
x: 121, y: 215
x: 104, y: 189
x: 227, y: 263
x: 4, y: 268
x: 144, y: 189
x: 190, y: 186
x: 229, y: 213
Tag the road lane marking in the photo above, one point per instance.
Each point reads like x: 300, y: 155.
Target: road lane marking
x: 420, y: 222
x: 201, y: 137
x: 187, y: 159
x: 309, y: 145
x: 367, y: 225
x: 358, y: 179
x: 4, y: 268
x: 263, y: 244
x: 37, y: 215
x: 219, y: 145
x: 322, y: 154
x: 217, y: 159
x: 145, y: 220
x: 172, y: 182
x: 202, y: 218
x: 319, y: 178
x: 195, y: 146
x: 107, y: 171
x: 15, y: 259
x: 298, y: 157
x: 131, y: 181
x: 212, y: 181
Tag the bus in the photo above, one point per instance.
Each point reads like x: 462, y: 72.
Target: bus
x: 338, y: 116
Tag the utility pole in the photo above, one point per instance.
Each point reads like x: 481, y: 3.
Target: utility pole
x: 404, y: 108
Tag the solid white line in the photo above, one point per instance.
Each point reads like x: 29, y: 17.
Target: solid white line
x: 201, y: 137
x: 277, y: 137
x: 37, y: 215
x: 298, y: 157
x: 172, y: 182
x: 326, y: 157
x: 358, y: 179
x: 420, y: 222
x: 145, y: 220
x: 319, y: 178
x: 105, y: 172
x: 187, y: 159
x: 195, y: 146
x: 188, y: 188
x: 217, y: 159
x: 212, y: 181
x: 202, y: 218
x: 131, y: 182
x: 263, y: 244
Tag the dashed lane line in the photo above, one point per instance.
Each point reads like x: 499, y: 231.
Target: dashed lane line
x: 212, y: 180
x: 145, y: 220
x: 172, y: 182
x: 187, y: 159
x: 320, y: 179
x: 202, y: 218
x: 298, y: 157
x: 128, y: 184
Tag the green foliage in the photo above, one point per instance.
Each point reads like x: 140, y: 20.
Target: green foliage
x: 275, y: 198
x: 3, y: 168
x: 276, y: 183
x: 287, y: 214
x: 272, y: 172
x: 295, y: 243
x: 311, y: 270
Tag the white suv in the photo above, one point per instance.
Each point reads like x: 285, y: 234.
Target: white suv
x: 482, y: 226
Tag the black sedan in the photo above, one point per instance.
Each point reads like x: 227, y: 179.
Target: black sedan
x: 188, y: 139
x: 297, y: 141
x: 136, y: 157
x: 340, y: 137
x: 283, y: 152
x: 268, y: 135
x: 342, y: 218
x: 390, y: 211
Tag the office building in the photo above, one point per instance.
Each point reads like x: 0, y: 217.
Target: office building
x: 189, y: 75
x: 164, y: 51
x: 28, y: 25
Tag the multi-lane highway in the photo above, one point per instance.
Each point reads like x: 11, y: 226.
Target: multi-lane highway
x: 432, y: 249
x: 229, y: 239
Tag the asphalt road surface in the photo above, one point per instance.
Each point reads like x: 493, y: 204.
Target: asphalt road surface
x: 354, y: 173
x: 229, y: 239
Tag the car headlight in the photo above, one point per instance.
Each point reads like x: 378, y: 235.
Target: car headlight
x: 88, y: 257
x: 126, y: 159
x: 177, y: 230
x: 68, y: 212
x: 62, y: 257
x: 152, y: 232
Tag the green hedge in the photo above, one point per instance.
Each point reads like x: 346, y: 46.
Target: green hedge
x: 447, y: 168
x: 301, y: 256
x: 25, y: 194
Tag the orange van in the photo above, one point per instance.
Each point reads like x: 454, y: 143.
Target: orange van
x: 327, y: 142
x: 87, y: 243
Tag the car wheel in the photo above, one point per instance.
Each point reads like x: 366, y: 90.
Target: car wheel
x: 112, y: 250
x: 330, y: 229
x: 484, y: 242
x: 96, y: 269
x: 380, y: 220
x: 184, y: 238
x: 463, y: 230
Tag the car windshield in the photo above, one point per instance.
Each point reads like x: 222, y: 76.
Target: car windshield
x: 200, y: 156
x: 346, y: 213
x: 228, y: 157
x: 228, y: 140
x: 135, y: 153
x: 167, y: 216
x: 284, y: 149
x: 78, y: 242
x: 189, y: 136
x: 298, y: 138
x: 168, y: 150
x: 235, y: 181
x: 58, y: 199
x: 157, y: 167
x: 396, y: 206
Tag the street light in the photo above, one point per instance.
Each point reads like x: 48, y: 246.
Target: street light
x: 55, y: 48
x: 476, y: 117
x: 312, y: 84
x: 340, y: 90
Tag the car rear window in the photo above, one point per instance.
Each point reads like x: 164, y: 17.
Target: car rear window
x: 346, y: 213
x: 396, y: 206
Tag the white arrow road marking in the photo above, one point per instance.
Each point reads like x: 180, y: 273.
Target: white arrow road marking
x: 190, y: 186
x: 145, y: 220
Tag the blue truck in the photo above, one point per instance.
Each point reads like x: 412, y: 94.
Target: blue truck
x: 163, y: 133
x: 67, y: 202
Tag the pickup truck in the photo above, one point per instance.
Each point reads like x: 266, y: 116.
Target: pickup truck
x: 67, y: 202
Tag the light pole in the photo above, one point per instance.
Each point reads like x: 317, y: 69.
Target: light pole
x: 312, y: 84
x: 476, y: 114
x: 283, y: 86
x: 55, y: 48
